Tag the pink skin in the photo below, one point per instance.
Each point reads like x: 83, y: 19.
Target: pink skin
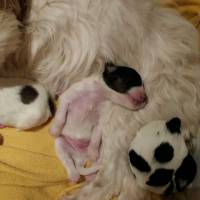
x: 137, y: 95
x: 76, y: 125
x: 2, y: 126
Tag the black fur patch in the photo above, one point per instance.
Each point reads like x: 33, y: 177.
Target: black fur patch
x: 160, y: 177
x: 138, y: 162
x: 164, y: 153
x: 28, y: 94
x: 51, y: 106
x: 185, y: 173
x: 174, y: 125
x: 121, y: 78
x: 170, y: 189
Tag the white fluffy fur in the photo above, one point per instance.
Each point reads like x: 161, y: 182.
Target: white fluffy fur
x: 9, y: 35
x: 67, y: 40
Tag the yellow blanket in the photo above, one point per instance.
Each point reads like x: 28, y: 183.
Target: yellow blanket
x: 29, y: 169
x: 190, y: 9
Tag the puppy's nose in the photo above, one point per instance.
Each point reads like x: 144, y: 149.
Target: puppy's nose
x: 138, y: 96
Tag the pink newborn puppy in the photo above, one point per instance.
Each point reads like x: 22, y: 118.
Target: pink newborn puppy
x: 76, y: 125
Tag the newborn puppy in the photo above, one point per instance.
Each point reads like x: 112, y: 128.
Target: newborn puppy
x: 159, y: 158
x: 24, y: 104
x: 76, y: 124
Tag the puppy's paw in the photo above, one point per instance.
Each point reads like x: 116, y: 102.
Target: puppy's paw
x: 54, y: 131
x: 2, y: 126
x: 74, y: 176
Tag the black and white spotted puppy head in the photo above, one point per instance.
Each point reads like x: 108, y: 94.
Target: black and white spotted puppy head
x: 128, y: 83
x: 30, y: 94
x: 159, y: 158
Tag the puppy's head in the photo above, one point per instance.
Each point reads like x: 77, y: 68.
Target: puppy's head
x: 159, y: 158
x: 127, y: 83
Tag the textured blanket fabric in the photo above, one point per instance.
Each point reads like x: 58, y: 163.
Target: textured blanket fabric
x: 190, y: 9
x: 29, y: 169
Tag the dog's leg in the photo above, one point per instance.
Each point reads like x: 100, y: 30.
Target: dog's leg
x: 60, y: 119
x: 9, y: 35
x: 94, y: 147
x: 63, y: 152
x: 88, y: 171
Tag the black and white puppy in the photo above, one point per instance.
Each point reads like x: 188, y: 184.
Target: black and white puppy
x: 159, y: 158
x: 24, y: 104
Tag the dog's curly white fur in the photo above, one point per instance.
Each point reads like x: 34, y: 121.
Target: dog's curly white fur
x: 68, y: 40
x: 10, y: 36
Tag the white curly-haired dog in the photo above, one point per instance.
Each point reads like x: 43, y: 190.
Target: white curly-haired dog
x: 9, y: 35
x: 66, y: 41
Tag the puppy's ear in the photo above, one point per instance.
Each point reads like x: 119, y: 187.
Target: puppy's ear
x: 109, y: 68
x: 174, y: 125
x: 112, y: 78
x: 185, y: 173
